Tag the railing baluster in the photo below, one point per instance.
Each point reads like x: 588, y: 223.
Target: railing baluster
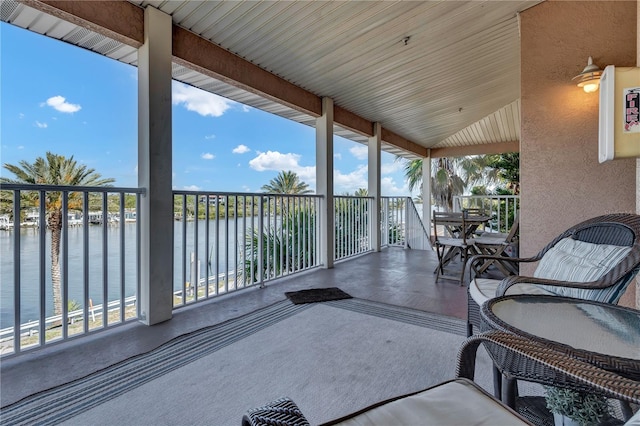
x: 43, y: 275
x: 85, y: 259
x: 184, y: 250
x: 65, y: 264
x: 17, y: 303
x: 122, y: 222
x: 105, y: 262
x: 206, y: 244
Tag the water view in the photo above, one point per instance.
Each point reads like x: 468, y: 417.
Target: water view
x: 224, y: 257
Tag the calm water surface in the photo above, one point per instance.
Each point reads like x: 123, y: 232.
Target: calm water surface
x: 30, y: 262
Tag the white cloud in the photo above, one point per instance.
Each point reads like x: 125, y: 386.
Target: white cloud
x: 20, y: 146
x: 59, y: 103
x: 200, y: 101
x: 361, y: 152
x: 389, y: 187
x: 350, y: 182
x: 191, y: 188
x: 21, y: 116
x: 207, y: 156
x: 337, y: 156
x: 210, y: 137
x: 240, y: 149
x: 246, y: 108
x: 394, y: 166
x: 41, y: 125
x: 276, y: 161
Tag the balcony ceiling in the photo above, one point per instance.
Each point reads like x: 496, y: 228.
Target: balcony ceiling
x: 440, y: 74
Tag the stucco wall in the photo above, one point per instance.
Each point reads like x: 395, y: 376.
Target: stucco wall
x: 562, y: 182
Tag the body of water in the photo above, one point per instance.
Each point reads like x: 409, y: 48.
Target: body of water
x: 220, y: 231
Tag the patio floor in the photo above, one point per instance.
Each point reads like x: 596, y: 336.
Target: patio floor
x: 394, y: 276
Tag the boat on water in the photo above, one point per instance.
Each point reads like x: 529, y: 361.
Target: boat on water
x: 6, y: 223
x: 31, y: 220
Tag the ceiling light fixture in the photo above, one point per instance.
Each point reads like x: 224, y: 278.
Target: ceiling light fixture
x: 589, y: 78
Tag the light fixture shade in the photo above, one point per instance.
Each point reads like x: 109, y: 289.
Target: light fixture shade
x: 589, y: 78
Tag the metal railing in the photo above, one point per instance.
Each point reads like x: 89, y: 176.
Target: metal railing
x: 223, y: 242
x: 352, y: 223
x: 65, y: 255
x: 501, y: 208
x: 401, y: 225
x: 227, y: 241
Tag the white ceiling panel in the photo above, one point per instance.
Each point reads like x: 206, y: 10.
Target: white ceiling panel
x: 438, y: 73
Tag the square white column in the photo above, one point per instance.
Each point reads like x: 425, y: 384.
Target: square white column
x: 324, y: 182
x: 374, y: 167
x: 155, y: 213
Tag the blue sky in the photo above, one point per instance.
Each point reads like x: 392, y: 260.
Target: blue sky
x: 60, y: 98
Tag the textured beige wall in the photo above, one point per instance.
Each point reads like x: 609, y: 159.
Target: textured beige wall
x: 562, y: 182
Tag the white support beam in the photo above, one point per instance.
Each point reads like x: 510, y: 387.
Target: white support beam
x: 375, y: 149
x: 155, y: 213
x: 324, y: 182
x: 426, y: 192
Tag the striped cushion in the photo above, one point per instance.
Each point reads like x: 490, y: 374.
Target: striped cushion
x: 578, y: 261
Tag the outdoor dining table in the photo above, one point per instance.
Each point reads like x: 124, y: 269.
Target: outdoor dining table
x: 602, y: 334
x: 453, y: 226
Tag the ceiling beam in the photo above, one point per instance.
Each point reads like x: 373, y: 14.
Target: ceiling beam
x: 480, y: 149
x: 121, y: 21
x: 124, y: 22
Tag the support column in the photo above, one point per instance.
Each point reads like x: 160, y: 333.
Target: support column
x: 426, y: 192
x: 155, y: 213
x: 324, y: 182
x: 375, y: 148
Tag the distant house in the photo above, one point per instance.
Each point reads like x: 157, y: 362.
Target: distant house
x: 213, y: 199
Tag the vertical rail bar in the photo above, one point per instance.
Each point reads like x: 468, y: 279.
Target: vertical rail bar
x: 207, y: 254
x: 216, y: 270
x: 184, y: 250
x: 43, y: 276
x: 123, y: 289
x: 105, y: 263
x: 235, y: 239
x: 65, y: 264
x: 226, y: 246
x: 138, y: 260
x: 261, y: 246
x: 17, y: 302
x: 85, y: 258
x: 196, y: 258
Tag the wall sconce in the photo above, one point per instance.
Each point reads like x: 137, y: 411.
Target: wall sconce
x: 589, y: 78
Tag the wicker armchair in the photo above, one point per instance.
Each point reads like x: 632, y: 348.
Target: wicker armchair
x: 620, y: 230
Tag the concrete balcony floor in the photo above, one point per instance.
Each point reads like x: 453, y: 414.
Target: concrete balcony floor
x: 393, y: 276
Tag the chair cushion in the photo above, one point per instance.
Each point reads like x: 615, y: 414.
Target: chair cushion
x: 457, y: 402
x: 579, y: 261
x: 483, y: 289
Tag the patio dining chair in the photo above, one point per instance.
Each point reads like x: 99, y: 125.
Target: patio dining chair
x: 453, y: 242
x: 497, y: 246
x: 593, y: 260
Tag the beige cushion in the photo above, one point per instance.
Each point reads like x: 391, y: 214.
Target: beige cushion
x: 457, y: 402
x: 483, y: 289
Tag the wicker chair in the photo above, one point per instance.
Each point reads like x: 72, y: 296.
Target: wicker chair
x: 620, y: 230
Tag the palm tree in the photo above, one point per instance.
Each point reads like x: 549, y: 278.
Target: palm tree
x: 451, y: 176
x: 55, y: 170
x: 287, y: 182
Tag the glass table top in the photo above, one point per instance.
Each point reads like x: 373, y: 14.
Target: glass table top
x: 594, y: 327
